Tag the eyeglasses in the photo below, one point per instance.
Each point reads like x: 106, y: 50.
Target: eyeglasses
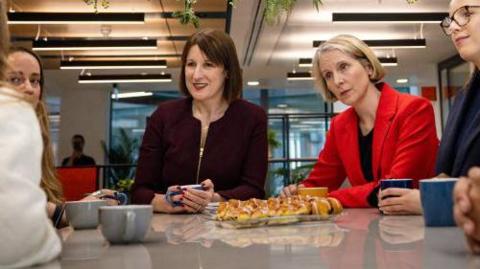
x: 461, y: 17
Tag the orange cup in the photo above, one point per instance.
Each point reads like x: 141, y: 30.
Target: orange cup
x: 314, y: 191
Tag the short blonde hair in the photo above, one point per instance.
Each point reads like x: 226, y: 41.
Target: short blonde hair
x: 353, y: 47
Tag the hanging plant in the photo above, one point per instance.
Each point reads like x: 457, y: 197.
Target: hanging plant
x: 187, y: 15
x: 94, y: 3
x: 273, y: 8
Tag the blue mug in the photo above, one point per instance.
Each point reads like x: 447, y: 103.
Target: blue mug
x: 436, y: 195
x: 404, y: 183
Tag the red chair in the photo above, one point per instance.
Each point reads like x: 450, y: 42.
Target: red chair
x: 78, y: 181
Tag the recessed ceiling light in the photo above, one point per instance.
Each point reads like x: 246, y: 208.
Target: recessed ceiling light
x: 402, y: 80
x: 253, y: 83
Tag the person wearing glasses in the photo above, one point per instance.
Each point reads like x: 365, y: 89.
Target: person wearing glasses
x: 460, y: 146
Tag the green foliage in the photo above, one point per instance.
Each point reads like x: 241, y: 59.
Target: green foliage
x: 105, y: 4
x: 122, y: 152
x: 273, y: 143
x: 187, y: 15
x: 124, y: 185
x: 273, y: 8
x: 296, y: 175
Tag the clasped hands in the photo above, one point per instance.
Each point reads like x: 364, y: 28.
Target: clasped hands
x: 467, y: 209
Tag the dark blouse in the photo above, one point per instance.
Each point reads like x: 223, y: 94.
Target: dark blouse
x: 365, y: 143
x: 234, y: 157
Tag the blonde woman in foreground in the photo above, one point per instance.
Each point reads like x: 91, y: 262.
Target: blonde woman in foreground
x: 27, y: 235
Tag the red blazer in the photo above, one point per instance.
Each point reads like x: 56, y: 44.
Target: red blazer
x: 404, y: 146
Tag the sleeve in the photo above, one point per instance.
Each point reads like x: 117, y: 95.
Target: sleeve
x: 26, y: 228
x: 328, y: 170
x: 417, y: 143
x: 255, y: 164
x: 414, y: 156
x: 150, y: 162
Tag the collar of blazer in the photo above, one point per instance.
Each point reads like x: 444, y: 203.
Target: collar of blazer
x: 347, y: 125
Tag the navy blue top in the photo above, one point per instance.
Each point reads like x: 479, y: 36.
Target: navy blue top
x: 460, y: 146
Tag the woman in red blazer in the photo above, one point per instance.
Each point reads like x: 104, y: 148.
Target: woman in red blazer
x: 384, y: 133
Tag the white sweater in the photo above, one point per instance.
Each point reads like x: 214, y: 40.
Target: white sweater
x: 27, y: 236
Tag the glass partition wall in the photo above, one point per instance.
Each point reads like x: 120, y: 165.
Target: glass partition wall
x: 453, y: 73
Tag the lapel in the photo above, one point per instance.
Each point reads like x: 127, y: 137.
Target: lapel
x: 445, y: 154
x: 349, y: 146
x: 387, y: 108
x: 464, y: 147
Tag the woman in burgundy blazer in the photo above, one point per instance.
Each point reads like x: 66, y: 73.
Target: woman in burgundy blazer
x: 212, y: 137
x: 384, y: 134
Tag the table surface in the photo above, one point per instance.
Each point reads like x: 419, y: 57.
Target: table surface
x: 359, y: 238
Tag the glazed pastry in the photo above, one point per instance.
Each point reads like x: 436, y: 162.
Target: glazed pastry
x: 337, y: 207
x: 321, y: 207
x: 256, y: 209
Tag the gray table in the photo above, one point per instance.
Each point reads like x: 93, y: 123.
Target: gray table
x: 360, y: 238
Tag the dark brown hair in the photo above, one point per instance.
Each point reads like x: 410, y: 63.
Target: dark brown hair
x: 219, y: 48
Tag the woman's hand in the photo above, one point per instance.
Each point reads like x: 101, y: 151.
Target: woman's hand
x: 196, y: 200
x: 290, y: 190
x: 466, y: 196
x: 160, y: 203
x: 103, y: 194
x: 398, y: 201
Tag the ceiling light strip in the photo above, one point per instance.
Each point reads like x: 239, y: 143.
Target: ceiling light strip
x: 113, y: 64
x: 433, y: 17
x: 392, y: 61
x: 299, y: 76
x: 130, y: 95
x: 149, y: 78
x: 388, y: 43
x: 75, y: 18
x: 51, y: 45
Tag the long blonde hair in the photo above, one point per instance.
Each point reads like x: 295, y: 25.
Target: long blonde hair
x: 49, y: 182
x: 4, y: 40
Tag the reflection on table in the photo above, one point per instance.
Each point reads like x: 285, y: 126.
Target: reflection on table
x: 360, y: 238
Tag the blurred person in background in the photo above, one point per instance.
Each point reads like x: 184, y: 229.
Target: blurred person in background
x: 78, y: 158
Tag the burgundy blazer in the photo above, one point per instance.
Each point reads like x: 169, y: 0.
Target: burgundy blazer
x: 235, y: 153
x: 405, y: 144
